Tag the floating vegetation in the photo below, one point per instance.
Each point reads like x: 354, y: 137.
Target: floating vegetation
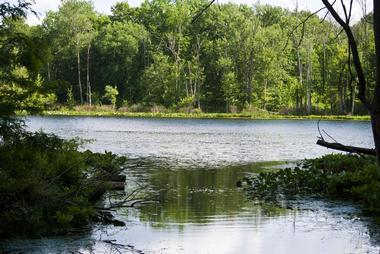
x: 336, y: 176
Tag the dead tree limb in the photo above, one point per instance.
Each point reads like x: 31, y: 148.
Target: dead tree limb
x: 349, y: 149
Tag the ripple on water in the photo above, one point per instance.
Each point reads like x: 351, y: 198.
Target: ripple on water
x: 205, y: 142
x: 187, y: 167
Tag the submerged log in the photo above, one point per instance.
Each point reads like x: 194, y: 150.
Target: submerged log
x: 349, y: 149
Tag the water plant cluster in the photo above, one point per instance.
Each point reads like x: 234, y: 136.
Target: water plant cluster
x: 336, y: 175
x: 47, y: 185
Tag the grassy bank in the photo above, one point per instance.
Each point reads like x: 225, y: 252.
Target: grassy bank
x: 244, y: 115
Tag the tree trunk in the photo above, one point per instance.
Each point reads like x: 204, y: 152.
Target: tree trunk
x: 300, y: 79
x: 79, y: 75
x: 353, y: 100
x: 374, y: 107
x: 48, y: 69
x: 89, y: 100
x: 340, y: 91
x: 345, y: 101
x: 249, y: 78
x: 188, y: 82
x: 340, y: 97
x: 265, y: 93
x: 308, y: 84
x: 324, y: 68
x: 375, y: 122
x: 375, y: 115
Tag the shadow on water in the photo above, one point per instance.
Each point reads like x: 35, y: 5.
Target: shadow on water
x: 200, y: 210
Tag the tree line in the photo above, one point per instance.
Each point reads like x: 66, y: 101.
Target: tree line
x: 232, y: 58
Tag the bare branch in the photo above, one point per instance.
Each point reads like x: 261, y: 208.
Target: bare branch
x: 337, y: 35
x: 324, y: 17
x: 203, y: 10
x: 350, y: 12
x: 303, y: 24
x: 355, y: 54
x: 307, y: 18
x: 345, y: 11
x: 349, y: 149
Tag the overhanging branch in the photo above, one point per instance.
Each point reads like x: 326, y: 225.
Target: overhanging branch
x: 349, y: 149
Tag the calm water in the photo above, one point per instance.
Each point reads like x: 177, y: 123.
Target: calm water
x: 189, y: 168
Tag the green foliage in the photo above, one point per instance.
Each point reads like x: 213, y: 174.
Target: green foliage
x: 22, y: 54
x: 70, y: 101
x: 159, y: 82
x: 33, y: 98
x: 12, y: 11
x: 110, y: 94
x: 233, y: 57
x: 46, y: 183
x: 338, y: 176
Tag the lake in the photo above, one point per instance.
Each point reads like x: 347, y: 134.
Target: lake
x: 188, y: 168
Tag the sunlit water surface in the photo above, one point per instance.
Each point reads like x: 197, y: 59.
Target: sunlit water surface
x: 189, y: 168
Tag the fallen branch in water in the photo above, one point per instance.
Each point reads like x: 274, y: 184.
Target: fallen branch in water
x: 349, y: 149
x: 121, y: 248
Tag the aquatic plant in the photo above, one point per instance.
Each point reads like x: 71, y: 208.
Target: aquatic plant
x: 335, y: 175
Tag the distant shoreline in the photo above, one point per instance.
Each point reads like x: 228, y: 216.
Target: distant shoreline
x: 246, y: 115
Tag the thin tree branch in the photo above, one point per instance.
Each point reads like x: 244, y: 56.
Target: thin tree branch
x: 324, y: 17
x: 303, y: 23
x: 350, y: 12
x: 201, y: 12
x: 355, y: 54
x: 345, y: 11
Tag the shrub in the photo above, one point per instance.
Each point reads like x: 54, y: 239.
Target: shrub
x: 158, y: 109
x: 46, y: 183
x: 110, y: 94
x: 138, y: 108
x: 70, y: 101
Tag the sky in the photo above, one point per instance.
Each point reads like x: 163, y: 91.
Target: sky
x: 104, y: 6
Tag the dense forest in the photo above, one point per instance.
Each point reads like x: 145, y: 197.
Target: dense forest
x: 232, y: 58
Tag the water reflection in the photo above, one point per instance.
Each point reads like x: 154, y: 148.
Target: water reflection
x: 194, y: 196
x: 202, y: 211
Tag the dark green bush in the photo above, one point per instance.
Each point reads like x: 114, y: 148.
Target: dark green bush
x: 46, y: 183
x: 336, y: 175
